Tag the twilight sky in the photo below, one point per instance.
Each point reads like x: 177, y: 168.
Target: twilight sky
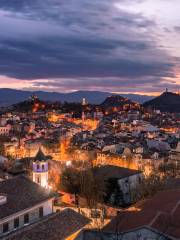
x: 106, y: 45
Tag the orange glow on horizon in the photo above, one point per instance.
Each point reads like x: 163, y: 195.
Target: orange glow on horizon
x: 17, y: 84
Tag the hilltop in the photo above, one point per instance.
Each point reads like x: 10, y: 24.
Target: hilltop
x: 116, y: 103
x: 166, y: 102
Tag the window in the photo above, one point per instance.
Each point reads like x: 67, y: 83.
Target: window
x: 41, y: 212
x: 43, y: 167
x: 39, y: 179
x: 5, y: 227
x: 26, y: 218
x: 37, y: 166
x: 16, y: 223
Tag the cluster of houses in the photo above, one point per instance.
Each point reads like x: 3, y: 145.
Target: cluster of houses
x: 28, y: 210
x: 125, y: 147
x: 134, y: 144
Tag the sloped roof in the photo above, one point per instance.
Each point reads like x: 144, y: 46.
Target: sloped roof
x: 40, y: 156
x: 58, y: 226
x: 21, y: 193
x: 109, y: 171
x: 160, y: 213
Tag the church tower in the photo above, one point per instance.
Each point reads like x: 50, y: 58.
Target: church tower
x: 84, y: 104
x: 40, y: 169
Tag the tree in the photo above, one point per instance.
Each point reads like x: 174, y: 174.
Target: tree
x: 84, y: 184
x: 114, y: 194
x: 91, y: 188
x: 69, y: 181
x: 148, y: 187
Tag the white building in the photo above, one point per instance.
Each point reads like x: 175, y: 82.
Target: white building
x: 22, y: 202
x: 120, y: 181
x: 40, y: 169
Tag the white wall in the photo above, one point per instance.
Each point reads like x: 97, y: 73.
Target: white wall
x: 33, y: 215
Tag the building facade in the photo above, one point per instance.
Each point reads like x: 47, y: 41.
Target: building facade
x: 22, y: 202
x: 40, y: 169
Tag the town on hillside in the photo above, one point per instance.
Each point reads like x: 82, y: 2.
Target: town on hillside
x: 83, y: 171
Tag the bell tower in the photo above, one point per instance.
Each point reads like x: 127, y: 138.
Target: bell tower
x: 84, y: 104
x: 40, y: 169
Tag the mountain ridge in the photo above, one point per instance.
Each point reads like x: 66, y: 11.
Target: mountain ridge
x: 10, y: 96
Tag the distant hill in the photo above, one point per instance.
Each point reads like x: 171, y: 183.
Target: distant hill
x: 32, y: 105
x: 115, y: 101
x: 166, y: 102
x: 12, y: 96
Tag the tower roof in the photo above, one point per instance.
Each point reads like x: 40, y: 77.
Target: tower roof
x: 40, y: 156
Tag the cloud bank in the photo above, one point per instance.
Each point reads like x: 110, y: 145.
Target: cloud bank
x: 71, y: 45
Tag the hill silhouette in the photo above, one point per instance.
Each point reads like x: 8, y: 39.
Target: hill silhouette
x: 166, y: 102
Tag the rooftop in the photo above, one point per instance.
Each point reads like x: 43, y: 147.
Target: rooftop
x: 40, y: 156
x: 58, y: 226
x: 21, y: 194
x: 139, y: 233
x: 159, y: 213
x: 109, y: 171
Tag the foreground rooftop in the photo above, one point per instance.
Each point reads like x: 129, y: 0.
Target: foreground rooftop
x: 21, y: 194
x: 58, y: 226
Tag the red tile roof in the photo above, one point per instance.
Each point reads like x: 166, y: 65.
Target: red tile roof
x: 162, y: 213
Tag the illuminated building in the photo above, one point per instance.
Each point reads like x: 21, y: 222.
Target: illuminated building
x: 84, y: 104
x: 40, y: 169
x: 114, y: 160
x: 4, y: 130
